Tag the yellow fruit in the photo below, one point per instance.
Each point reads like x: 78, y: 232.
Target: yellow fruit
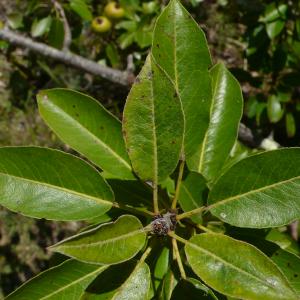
x: 101, y: 24
x: 114, y: 10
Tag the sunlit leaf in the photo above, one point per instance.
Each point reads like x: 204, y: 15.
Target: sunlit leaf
x: 260, y: 191
x: 109, y: 243
x: 47, y: 183
x: 236, y: 269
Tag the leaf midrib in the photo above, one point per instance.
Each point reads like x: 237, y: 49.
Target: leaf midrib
x: 111, y: 240
x: 197, y: 247
x: 99, y: 200
x: 237, y: 197
x: 74, y: 282
x: 93, y: 136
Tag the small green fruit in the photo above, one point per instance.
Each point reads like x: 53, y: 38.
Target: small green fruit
x: 114, y: 10
x: 149, y: 7
x: 101, y: 24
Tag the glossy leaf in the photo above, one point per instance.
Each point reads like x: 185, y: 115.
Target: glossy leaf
x: 289, y: 264
x: 260, y: 191
x: 65, y: 281
x: 84, y: 124
x: 126, y: 281
x: 153, y: 124
x: 46, y: 183
x: 109, y: 243
x: 225, y: 115
x: 193, y: 193
x: 40, y: 27
x: 180, y: 48
x: 161, y: 267
x: 168, y: 285
x: 236, y: 269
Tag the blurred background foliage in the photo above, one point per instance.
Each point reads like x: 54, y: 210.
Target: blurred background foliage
x: 259, y: 40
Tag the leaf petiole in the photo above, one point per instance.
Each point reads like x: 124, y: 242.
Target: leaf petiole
x: 181, y: 169
x: 191, y: 213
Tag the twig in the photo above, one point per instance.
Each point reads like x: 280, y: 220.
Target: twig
x: 178, y: 258
x: 79, y: 62
x: 67, y: 31
x: 191, y: 213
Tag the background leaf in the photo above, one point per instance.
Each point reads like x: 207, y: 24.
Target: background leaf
x: 192, y: 289
x: 46, y: 183
x: 109, y: 243
x: 289, y: 264
x: 85, y: 125
x: 180, y: 48
x: 129, y: 280
x: 82, y: 9
x: 259, y: 191
x: 153, y: 124
x: 225, y: 115
x: 236, y: 269
x: 65, y: 281
x: 40, y: 27
x: 193, y: 193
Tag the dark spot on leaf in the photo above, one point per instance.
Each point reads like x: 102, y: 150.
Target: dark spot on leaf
x: 73, y: 105
x: 101, y: 127
x: 295, y: 275
x: 175, y: 95
x: 77, y: 115
x: 157, y: 45
x: 159, y: 55
x: 288, y: 264
x: 173, y: 142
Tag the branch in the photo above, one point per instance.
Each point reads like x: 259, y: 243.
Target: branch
x: 121, y: 77
x: 67, y: 30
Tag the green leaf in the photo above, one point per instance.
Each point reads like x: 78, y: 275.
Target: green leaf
x: 109, y: 243
x: 236, y: 269
x: 129, y: 280
x: 161, y: 267
x: 180, y: 48
x: 85, y: 125
x: 275, y: 111
x: 15, y: 20
x: 153, y: 124
x: 168, y: 285
x: 274, y: 11
x: 65, y: 281
x: 132, y: 193
x: 82, y: 9
x: 259, y: 191
x: 225, y: 115
x: 289, y: 264
x: 192, y: 195
x: 290, y: 124
x: 40, y: 27
x: 274, y: 28
x: 56, y: 34
x: 46, y: 183
x: 284, y: 241
x: 192, y: 289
